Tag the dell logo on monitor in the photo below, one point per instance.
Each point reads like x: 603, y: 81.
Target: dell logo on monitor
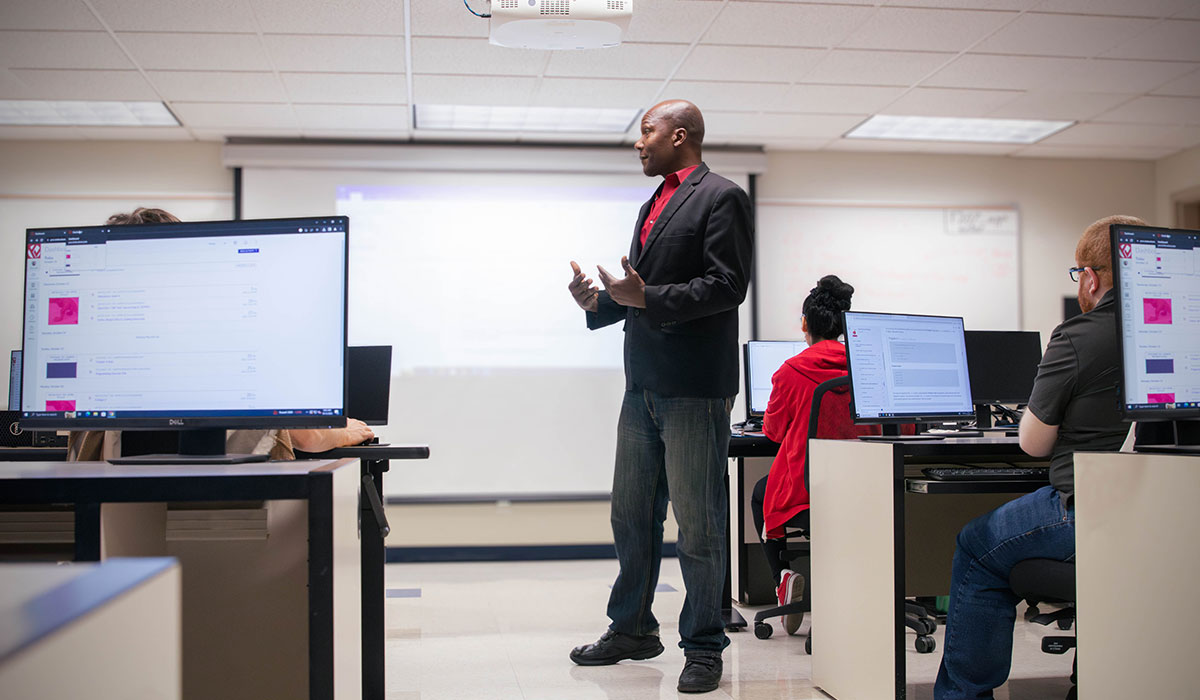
x: 175, y: 421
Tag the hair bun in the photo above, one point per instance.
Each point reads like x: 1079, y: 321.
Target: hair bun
x: 837, y: 292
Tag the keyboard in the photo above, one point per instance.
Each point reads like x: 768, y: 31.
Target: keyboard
x: 987, y: 473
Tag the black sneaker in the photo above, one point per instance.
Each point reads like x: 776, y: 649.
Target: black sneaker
x: 701, y: 674
x: 617, y: 646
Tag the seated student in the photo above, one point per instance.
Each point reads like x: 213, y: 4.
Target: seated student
x: 780, y: 498
x: 92, y: 445
x: 1074, y: 407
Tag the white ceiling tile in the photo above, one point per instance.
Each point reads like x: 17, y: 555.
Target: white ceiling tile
x: 221, y: 134
x: 670, y: 20
x: 625, y: 61
x: 552, y: 137
x: 944, y: 102
x: 39, y: 133
x: 1062, y: 35
x: 1190, y: 11
x: 472, y: 90
x: 1038, y: 150
x: 47, y: 14
x: 86, y: 85
x: 968, y: 4
x: 474, y: 57
x: 1056, y: 105
x: 728, y: 97
x: 902, y: 68
x: 196, y: 51
x: 974, y: 149
x: 12, y: 87
x: 1187, y: 86
x: 578, y: 92
x: 359, y: 134
x: 301, y: 53
x: 1002, y: 72
x: 708, y: 62
x: 1156, y: 110
x: 875, y: 145
x: 447, y: 19
x: 216, y: 86
x: 1110, y: 75
x: 1171, y: 40
x: 781, y: 144
x: 134, y: 133
x: 95, y: 50
x: 473, y: 136
x: 324, y: 17
x: 925, y: 30
x: 352, y: 117
x: 1134, y: 8
x: 346, y: 88
x: 202, y: 115
x: 176, y: 15
x: 838, y: 99
x: 721, y: 125
x: 1138, y: 135
x: 780, y: 24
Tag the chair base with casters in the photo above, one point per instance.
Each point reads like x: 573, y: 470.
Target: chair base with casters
x: 1049, y: 581
x: 797, y: 552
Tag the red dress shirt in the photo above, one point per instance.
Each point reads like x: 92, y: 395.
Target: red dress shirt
x: 670, y: 183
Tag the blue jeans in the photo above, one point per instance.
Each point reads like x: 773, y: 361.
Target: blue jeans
x: 979, y: 624
x: 673, y: 449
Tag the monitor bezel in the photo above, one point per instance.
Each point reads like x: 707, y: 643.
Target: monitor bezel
x: 185, y: 422
x: 947, y: 417
x: 981, y: 399
x: 1127, y: 413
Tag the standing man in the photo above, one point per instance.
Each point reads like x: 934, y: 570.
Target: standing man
x: 1074, y: 407
x: 686, y: 274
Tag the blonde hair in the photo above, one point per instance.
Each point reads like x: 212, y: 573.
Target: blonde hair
x: 1094, y: 249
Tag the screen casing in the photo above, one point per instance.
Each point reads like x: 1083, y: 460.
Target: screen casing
x: 1002, y: 365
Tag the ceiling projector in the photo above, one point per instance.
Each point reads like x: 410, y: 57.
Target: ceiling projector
x: 559, y: 24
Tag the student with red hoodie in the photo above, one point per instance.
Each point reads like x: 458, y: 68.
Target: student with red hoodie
x: 780, y: 498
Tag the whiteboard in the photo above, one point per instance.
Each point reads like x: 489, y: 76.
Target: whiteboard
x: 902, y: 259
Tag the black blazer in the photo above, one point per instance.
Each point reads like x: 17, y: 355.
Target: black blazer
x: 696, y: 266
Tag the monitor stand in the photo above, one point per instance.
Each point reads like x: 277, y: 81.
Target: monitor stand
x: 891, y: 433
x: 195, y: 447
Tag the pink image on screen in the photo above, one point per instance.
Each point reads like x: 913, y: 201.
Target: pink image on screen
x: 1160, y: 398
x: 1157, y: 311
x: 60, y: 405
x: 64, y: 311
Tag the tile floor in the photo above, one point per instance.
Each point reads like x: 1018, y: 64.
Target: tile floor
x: 501, y: 631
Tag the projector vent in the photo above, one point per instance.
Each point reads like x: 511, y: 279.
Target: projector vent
x: 556, y: 7
x: 618, y: 5
x: 509, y: 4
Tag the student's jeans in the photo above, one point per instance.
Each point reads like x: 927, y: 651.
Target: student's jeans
x: 979, y: 623
x: 677, y: 449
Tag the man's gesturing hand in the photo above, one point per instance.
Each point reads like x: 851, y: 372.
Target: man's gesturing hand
x: 586, y: 294
x: 629, y: 290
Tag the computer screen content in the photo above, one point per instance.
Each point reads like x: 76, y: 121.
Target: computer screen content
x: 906, y: 368
x: 1157, y: 281
x: 762, y: 358
x: 206, y: 325
x: 369, y: 378
x: 1002, y: 365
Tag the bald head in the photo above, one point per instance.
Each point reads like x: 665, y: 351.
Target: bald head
x: 681, y: 114
x: 671, y: 135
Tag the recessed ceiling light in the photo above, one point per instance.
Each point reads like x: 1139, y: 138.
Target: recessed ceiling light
x: 85, y: 113
x: 530, y: 119
x: 887, y: 126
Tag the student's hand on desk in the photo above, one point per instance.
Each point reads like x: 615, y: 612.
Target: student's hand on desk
x: 586, y: 294
x: 320, y: 440
x: 629, y: 290
x: 356, y: 432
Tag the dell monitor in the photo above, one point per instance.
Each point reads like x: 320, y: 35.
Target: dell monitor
x: 1001, y: 366
x: 1156, y: 278
x: 760, y: 360
x: 197, y: 327
x: 907, y: 369
x: 369, y: 376
x: 14, y: 381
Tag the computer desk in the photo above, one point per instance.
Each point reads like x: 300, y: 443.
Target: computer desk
x: 883, y: 532
x: 275, y: 617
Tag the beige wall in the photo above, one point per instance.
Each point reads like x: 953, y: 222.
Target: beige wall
x: 1057, y: 199
x: 1175, y: 175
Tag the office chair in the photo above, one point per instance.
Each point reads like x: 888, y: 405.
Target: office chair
x: 1049, y: 581
x: 916, y: 617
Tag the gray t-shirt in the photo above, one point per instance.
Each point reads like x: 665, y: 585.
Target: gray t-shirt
x: 1077, y: 390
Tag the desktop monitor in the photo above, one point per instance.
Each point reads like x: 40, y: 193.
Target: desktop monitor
x: 369, y: 376
x: 198, y: 327
x: 1156, y: 278
x: 907, y: 369
x: 761, y: 359
x: 1002, y: 365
